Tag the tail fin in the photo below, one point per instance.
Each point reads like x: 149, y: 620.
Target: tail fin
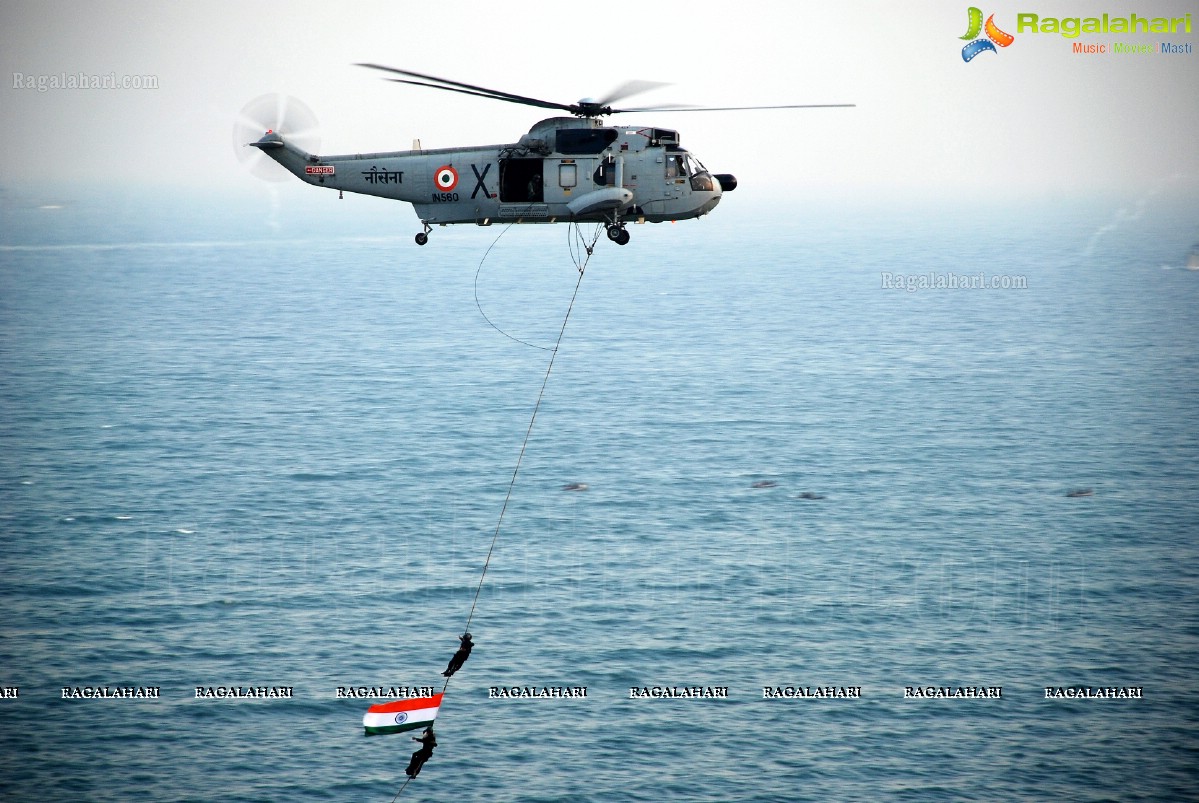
x: 292, y: 158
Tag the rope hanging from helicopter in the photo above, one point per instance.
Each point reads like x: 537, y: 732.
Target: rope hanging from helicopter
x: 575, y: 239
x: 577, y: 245
x: 580, y: 253
x: 479, y: 304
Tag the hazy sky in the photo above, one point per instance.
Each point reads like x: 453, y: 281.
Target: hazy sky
x: 1033, y: 120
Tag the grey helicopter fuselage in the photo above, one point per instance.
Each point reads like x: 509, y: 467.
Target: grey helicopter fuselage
x: 565, y: 169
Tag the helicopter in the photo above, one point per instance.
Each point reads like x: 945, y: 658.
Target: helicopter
x: 565, y: 169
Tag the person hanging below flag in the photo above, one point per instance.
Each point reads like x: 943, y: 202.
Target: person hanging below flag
x: 427, y: 742
x: 459, y: 657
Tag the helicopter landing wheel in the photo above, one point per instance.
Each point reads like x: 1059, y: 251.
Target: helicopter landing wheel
x: 617, y: 234
x: 422, y: 238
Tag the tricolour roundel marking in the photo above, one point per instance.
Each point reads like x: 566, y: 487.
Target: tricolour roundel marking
x: 446, y: 178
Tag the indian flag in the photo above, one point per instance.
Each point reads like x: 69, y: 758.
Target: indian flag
x: 401, y: 715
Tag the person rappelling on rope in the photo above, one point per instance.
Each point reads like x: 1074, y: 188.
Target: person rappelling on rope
x: 427, y: 742
x: 459, y: 657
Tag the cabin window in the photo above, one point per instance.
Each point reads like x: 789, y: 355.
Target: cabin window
x: 568, y: 175
x: 676, y: 165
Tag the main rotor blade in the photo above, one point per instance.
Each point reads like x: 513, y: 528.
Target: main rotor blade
x: 464, y: 88
x: 627, y: 90
x: 544, y: 104
x: 734, y: 108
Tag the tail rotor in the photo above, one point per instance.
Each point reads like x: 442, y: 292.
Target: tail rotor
x: 272, y: 113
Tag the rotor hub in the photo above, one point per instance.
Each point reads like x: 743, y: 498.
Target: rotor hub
x: 588, y: 107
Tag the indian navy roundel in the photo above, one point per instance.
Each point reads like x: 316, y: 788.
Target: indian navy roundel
x: 446, y: 178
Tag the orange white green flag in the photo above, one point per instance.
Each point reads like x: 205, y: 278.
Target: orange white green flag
x: 401, y: 715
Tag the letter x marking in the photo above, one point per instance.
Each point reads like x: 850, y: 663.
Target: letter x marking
x: 479, y: 185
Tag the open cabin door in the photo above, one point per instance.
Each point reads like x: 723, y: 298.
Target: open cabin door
x: 522, y: 181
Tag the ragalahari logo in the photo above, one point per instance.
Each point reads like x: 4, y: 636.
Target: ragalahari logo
x: 994, y: 35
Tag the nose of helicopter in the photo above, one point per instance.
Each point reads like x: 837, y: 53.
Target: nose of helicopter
x: 715, y: 186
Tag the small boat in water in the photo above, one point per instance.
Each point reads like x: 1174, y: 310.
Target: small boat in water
x: 1193, y: 260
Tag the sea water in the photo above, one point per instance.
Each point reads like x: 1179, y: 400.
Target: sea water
x: 279, y: 458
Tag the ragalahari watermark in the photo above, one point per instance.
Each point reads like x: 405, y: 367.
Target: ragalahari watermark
x: 82, y: 80
x: 912, y: 282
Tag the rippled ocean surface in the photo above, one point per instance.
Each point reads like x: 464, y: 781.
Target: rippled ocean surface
x: 233, y: 459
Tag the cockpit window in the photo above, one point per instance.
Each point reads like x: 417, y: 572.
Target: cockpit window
x: 701, y: 179
x: 676, y: 165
